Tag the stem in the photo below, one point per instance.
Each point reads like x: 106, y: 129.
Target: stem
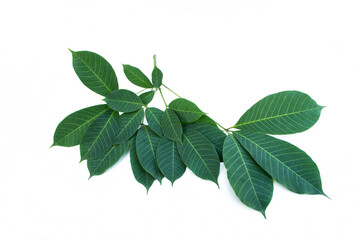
x: 141, y: 91
x: 154, y: 60
x: 162, y: 97
x: 171, y: 90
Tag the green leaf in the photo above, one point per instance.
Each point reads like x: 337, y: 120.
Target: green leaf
x: 251, y: 184
x: 281, y: 113
x: 199, y: 155
x: 99, y: 165
x: 100, y: 136
x: 171, y: 126
x: 286, y: 163
x: 146, y: 145
x: 147, y: 97
x: 186, y: 110
x: 123, y: 100
x: 140, y: 174
x: 94, y: 72
x: 153, y: 118
x: 129, y: 124
x: 157, y: 76
x: 137, y: 77
x: 214, y: 134
x: 207, y: 120
x: 70, y: 130
x: 169, y: 161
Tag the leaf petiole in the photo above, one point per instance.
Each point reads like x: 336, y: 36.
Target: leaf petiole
x: 171, y: 91
x: 162, y: 96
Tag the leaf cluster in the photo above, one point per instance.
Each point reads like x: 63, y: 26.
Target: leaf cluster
x: 164, y: 143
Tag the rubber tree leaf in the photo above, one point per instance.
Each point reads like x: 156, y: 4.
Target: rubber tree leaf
x: 207, y: 120
x: 140, y: 174
x: 156, y: 77
x: 186, y: 110
x: 146, y: 146
x: 95, y: 72
x: 281, y: 113
x: 199, y: 155
x: 214, y: 134
x: 251, y: 184
x: 100, y: 136
x: 147, y: 97
x: 169, y: 161
x: 128, y: 125
x: 70, y: 130
x: 171, y: 126
x: 286, y: 163
x: 137, y: 77
x: 99, y: 165
x: 153, y: 118
x: 123, y: 100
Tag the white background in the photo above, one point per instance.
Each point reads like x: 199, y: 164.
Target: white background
x: 223, y: 55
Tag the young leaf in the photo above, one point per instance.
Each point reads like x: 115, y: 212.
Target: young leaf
x: 207, y: 120
x: 251, y: 184
x: 100, y: 136
x: 281, y: 113
x: 99, y: 165
x: 128, y: 124
x: 123, y: 100
x: 140, y: 174
x: 70, y: 130
x: 157, y: 76
x: 199, y: 155
x: 214, y: 134
x: 147, y: 97
x: 137, y: 77
x: 286, y: 163
x: 169, y: 160
x: 95, y: 72
x: 153, y: 118
x: 186, y: 110
x: 146, y: 145
x: 171, y: 126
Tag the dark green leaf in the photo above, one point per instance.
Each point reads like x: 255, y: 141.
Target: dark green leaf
x: 251, y: 184
x: 100, y: 136
x: 137, y: 77
x: 153, y: 118
x: 199, y: 155
x: 147, y: 97
x: 281, y: 113
x: 146, y: 145
x: 286, y: 163
x: 123, y: 100
x: 169, y: 160
x: 140, y: 174
x: 207, y: 120
x: 70, y: 130
x: 99, y: 165
x: 171, y: 126
x: 95, y: 72
x: 157, y: 76
x: 128, y: 124
x: 186, y: 110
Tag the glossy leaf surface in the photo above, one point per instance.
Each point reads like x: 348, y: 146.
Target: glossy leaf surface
x: 123, y: 100
x: 137, y: 77
x: 128, y: 124
x: 153, y: 118
x: 157, y: 77
x: 186, y: 110
x: 171, y: 126
x: 147, y: 97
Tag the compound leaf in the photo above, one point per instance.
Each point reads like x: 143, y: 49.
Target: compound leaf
x: 171, y: 126
x: 153, y: 118
x: 137, y: 77
x: 123, y: 100
x: 147, y: 97
x: 129, y: 124
x: 186, y: 110
x: 156, y: 77
x: 94, y: 72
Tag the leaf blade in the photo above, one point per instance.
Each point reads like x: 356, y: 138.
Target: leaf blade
x: 123, y: 100
x: 153, y: 117
x: 128, y: 125
x: 136, y: 76
x: 156, y: 77
x: 186, y: 110
x: 147, y: 97
x: 171, y: 125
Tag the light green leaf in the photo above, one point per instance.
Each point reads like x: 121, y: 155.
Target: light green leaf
x: 129, y: 124
x: 281, y: 113
x: 123, y: 100
x: 100, y: 136
x: 153, y: 118
x: 95, y: 72
x: 147, y: 97
x: 286, y: 163
x: 99, y: 165
x: 140, y: 174
x: 146, y: 145
x: 251, y: 184
x: 199, y: 155
x: 157, y: 76
x: 137, y: 77
x: 70, y: 130
x: 169, y: 161
x: 171, y: 126
x: 186, y: 110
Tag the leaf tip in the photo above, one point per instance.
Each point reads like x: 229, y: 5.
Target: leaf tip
x: 70, y: 50
x: 263, y: 213
x: 91, y: 175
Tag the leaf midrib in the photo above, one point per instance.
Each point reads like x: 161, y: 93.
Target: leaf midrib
x: 136, y: 76
x: 130, y: 121
x: 172, y: 126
